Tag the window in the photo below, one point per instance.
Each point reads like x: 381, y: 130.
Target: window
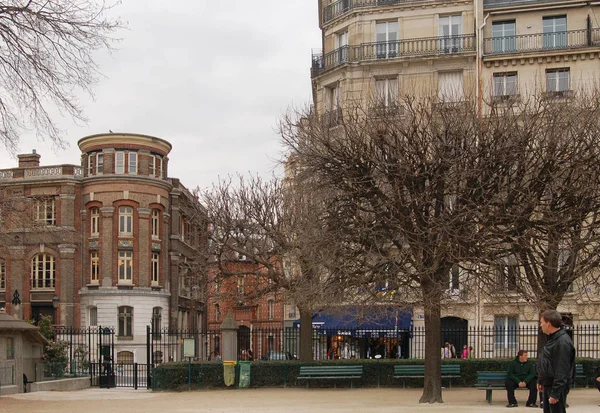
x: 95, y: 221
x: 155, y: 166
x: 217, y: 312
x: 271, y: 309
x: 93, y: 316
x: 557, y: 81
x: 119, y: 162
x: 504, y: 37
x: 240, y: 285
x: 125, y: 220
x: 156, y: 320
x: 2, y: 275
x: 99, y: 163
x: 505, y: 84
x: 386, y: 37
x: 450, y: 86
x: 155, y: 224
x: 45, y: 211
x: 155, y: 268
x: 386, y: 92
x: 10, y: 348
x: 332, y: 105
x: 555, y: 32
x: 125, y: 357
x: 94, y: 267
x: 42, y: 271
x: 133, y: 162
x: 507, y: 277
x: 125, y: 267
x: 453, y: 283
x: 91, y: 164
x: 506, y: 332
x: 341, y: 45
x: 450, y: 29
x: 125, y: 322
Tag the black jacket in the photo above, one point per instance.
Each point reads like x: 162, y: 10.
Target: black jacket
x: 519, y: 372
x: 555, y: 365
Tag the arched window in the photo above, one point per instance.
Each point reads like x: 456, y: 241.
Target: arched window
x: 43, y: 270
x: 156, y: 320
x: 124, y: 357
x: 271, y: 308
x: 217, y: 312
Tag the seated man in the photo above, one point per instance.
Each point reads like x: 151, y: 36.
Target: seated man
x: 521, y: 373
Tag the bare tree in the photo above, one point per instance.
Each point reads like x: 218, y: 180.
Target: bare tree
x: 47, y: 55
x: 409, y: 190
x: 283, y: 232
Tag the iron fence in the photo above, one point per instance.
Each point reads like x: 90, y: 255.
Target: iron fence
x: 165, y: 345
x: 486, y: 342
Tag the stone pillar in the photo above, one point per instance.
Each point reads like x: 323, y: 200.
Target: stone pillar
x: 106, y: 270
x: 229, y: 330
x: 67, y: 210
x: 144, y: 245
x: 16, y: 279
x: 174, y: 281
x: 67, y: 292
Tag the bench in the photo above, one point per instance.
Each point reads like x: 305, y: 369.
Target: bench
x: 417, y: 371
x: 492, y: 380
x: 330, y: 373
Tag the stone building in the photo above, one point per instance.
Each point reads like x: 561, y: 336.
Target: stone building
x: 102, y: 244
x: 489, y: 50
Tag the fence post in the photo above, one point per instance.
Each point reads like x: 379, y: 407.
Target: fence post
x: 135, y: 376
x: 148, y: 359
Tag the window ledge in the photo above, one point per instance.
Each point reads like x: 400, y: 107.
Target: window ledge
x: 125, y: 338
x: 93, y: 286
x: 123, y: 286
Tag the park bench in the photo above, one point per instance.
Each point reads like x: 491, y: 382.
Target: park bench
x: 330, y: 373
x: 417, y: 371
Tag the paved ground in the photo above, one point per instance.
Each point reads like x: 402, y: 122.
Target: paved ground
x: 96, y: 400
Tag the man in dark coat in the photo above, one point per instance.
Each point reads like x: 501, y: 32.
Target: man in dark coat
x: 521, y: 373
x: 556, y: 363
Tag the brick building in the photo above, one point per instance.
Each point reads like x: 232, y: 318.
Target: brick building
x: 106, y: 243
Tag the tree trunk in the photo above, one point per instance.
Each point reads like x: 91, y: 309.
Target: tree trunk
x: 306, y: 334
x: 432, y: 390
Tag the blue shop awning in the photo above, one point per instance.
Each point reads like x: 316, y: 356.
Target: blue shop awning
x: 353, y: 318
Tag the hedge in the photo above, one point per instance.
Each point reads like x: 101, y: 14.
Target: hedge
x: 206, y: 375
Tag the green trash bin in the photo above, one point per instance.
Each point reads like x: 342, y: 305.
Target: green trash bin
x: 244, y: 381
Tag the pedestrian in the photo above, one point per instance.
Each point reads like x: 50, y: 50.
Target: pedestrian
x: 471, y: 353
x: 521, y: 373
x: 452, y: 351
x: 446, y: 351
x: 556, y: 363
x: 465, y: 352
x: 598, y: 384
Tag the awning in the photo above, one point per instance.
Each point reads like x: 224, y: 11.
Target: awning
x: 353, y: 318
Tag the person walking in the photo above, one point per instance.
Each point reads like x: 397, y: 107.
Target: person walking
x: 556, y: 363
x: 521, y: 373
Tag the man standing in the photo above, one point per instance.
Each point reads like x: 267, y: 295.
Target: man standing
x: 521, y: 373
x: 556, y: 363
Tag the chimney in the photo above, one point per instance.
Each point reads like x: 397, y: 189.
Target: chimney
x: 29, y: 160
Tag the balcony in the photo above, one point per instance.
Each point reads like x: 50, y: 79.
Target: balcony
x: 423, y: 47
x: 341, y: 7
x: 497, y: 4
x: 42, y: 172
x: 541, y: 42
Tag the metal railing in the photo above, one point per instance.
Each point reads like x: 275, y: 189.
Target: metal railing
x: 165, y: 345
x: 493, y: 4
x: 341, y: 7
x: 425, y: 46
x: 571, y: 39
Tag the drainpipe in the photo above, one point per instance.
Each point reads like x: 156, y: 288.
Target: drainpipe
x: 480, y: 62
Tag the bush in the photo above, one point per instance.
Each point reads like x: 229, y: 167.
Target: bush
x: 174, y: 376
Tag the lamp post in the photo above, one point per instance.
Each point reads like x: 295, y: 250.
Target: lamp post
x: 55, y: 302
x: 16, y: 301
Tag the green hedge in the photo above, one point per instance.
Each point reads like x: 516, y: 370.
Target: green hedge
x: 182, y: 376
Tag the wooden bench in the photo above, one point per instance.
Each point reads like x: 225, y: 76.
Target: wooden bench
x: 330, y: 373
x: 492, y: 380
x: 417, y: 371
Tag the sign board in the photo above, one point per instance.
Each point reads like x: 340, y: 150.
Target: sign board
x: 189, y: 347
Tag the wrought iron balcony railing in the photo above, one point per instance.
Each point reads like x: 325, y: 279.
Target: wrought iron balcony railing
x: 571, y: 39
x: 340, y: 7
x: 495, y: 4
x: 426, y: 46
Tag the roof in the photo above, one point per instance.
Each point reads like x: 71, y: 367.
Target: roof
x: 10, y: 323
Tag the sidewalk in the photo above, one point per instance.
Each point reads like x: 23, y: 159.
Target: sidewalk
x: 457, y: 400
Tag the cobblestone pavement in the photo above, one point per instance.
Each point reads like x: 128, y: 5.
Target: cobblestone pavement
x: 457, y: 400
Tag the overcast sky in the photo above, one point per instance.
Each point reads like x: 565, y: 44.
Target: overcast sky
x: 210, y: 76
